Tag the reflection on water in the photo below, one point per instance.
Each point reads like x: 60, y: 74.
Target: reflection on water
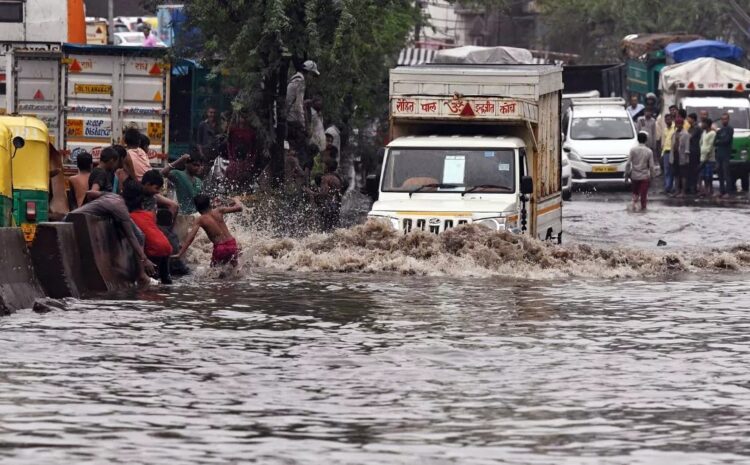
x: 288, y: 369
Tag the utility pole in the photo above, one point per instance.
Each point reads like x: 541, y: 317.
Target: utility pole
x: 111, y: 21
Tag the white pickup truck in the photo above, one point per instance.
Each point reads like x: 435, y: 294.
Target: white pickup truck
x: 473, y: 144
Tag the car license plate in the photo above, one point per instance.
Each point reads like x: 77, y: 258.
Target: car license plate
x: 29, y: 231
x: 604, y: 169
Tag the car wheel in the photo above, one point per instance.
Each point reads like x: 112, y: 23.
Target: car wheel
x: 567, y: 195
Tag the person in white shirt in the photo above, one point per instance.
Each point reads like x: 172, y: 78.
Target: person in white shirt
x: 635, y: 107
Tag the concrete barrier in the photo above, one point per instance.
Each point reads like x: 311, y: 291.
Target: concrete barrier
x: 18, y: 285
x: 107, y: 261
x: 57, y: 260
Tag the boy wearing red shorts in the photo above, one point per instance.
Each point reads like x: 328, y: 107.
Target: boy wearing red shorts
x: 212, y: 221
x: 156, y: 245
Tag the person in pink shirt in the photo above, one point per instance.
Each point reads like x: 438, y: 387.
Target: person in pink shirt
x: 138, y: 157
x: 150, y: 40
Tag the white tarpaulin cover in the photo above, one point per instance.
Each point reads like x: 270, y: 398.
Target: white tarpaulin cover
x: 473, y: 55
x: 703, y: 71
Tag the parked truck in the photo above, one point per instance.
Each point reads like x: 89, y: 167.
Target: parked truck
x: 475, y: 144
x: 88, y: 95
x: 717, y: 87
x: 38, y: 25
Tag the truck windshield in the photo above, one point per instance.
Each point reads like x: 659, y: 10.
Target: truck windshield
x: 739, y: 118
x: 601, y: 128
x: 450, y: 170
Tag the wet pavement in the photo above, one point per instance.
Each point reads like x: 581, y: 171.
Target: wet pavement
x: 381, y: 367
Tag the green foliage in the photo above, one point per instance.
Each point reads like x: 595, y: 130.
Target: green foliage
x: 594, y: 28
x: 354, y: 43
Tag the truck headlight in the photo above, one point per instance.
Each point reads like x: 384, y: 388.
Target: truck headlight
x: 495, y: 224
x: 389, y: 221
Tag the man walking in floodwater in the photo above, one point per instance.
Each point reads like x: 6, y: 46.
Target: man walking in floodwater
x: 639, y: 170
x: 212, y: 221
x: 723, y: 143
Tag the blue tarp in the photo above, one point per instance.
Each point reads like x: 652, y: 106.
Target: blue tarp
x: 682, y: 52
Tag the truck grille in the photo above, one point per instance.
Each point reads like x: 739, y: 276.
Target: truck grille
x: 433, y: 225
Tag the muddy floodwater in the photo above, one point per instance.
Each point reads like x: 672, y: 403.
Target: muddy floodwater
x: 370, y: 354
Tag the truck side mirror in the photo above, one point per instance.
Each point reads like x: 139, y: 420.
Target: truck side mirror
x: 371, y: 186
x: 527, y: 185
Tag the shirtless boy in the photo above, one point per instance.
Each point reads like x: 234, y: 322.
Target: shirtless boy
x: 212, y: 221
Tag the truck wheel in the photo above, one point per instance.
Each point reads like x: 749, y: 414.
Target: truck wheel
x: 567, y: 195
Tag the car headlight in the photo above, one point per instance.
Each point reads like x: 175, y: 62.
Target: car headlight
x: 574, y: 156
x: 389, y: 221
x: 743, y: 154
x: 565, y: 161
x: 495, y: 224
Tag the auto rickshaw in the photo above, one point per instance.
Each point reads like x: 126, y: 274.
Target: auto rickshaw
x: 31, y: 175
x: 6, y: 187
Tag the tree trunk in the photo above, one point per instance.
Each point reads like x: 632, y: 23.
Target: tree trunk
x: 277, y: 148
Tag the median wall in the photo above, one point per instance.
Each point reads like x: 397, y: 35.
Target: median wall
x: 107, y: 260
x: 57, y: 260
x: 18, y: 285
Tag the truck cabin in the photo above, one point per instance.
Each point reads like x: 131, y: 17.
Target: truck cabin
x: 473, y: 144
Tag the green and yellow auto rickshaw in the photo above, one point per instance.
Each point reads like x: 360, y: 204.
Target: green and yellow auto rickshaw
x: 6, y: 186
x: 30, y: 173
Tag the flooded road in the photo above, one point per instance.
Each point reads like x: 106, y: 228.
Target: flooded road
x: 386, y: 368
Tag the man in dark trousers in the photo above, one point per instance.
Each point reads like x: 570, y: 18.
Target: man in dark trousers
x: 696, y: 131
x: 723, y: 144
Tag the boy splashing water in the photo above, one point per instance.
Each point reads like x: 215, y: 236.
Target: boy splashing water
x: 212, y: 221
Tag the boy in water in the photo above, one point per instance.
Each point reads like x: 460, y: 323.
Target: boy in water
x: 212, y: 221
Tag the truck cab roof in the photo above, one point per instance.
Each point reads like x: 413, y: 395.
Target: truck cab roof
x: 458, y: 142
x: 715, y: 102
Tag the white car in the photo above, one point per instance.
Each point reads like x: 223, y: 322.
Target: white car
x: 567, y: 178
x: 599, y: 134
x: 133, y: 39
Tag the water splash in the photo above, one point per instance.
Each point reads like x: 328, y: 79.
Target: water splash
x: 466, y: 251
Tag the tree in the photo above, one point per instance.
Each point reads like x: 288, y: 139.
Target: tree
x: 595, y: 28
x: 354, y: 43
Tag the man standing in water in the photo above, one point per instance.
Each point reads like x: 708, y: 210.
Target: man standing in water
x: 207, y: 132
x: 212, y: 221
x: 723, y: 143
x: 639, y: 170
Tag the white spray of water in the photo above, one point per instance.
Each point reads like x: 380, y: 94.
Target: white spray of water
x: 467, y: 251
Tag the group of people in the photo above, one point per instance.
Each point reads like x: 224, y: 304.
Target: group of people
x: 234, y: 162
x: 126, y: 189
x: 312, y: 152
x: 686, y: 148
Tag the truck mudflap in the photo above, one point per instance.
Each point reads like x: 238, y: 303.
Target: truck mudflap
x: 547, y: 216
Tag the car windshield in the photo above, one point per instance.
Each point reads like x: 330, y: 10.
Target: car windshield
x: 601, y: 128
x: 450, y: 170
x: 739, y: 118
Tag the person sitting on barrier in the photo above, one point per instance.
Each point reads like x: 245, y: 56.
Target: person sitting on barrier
x: 212, y: 222
x: 153, y: 182
x: 112, y: 206
x: 156, y: 245
x: 102, y: 177
x: 79, y: 183
x: 136, y: 155
x: 186, y: 181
